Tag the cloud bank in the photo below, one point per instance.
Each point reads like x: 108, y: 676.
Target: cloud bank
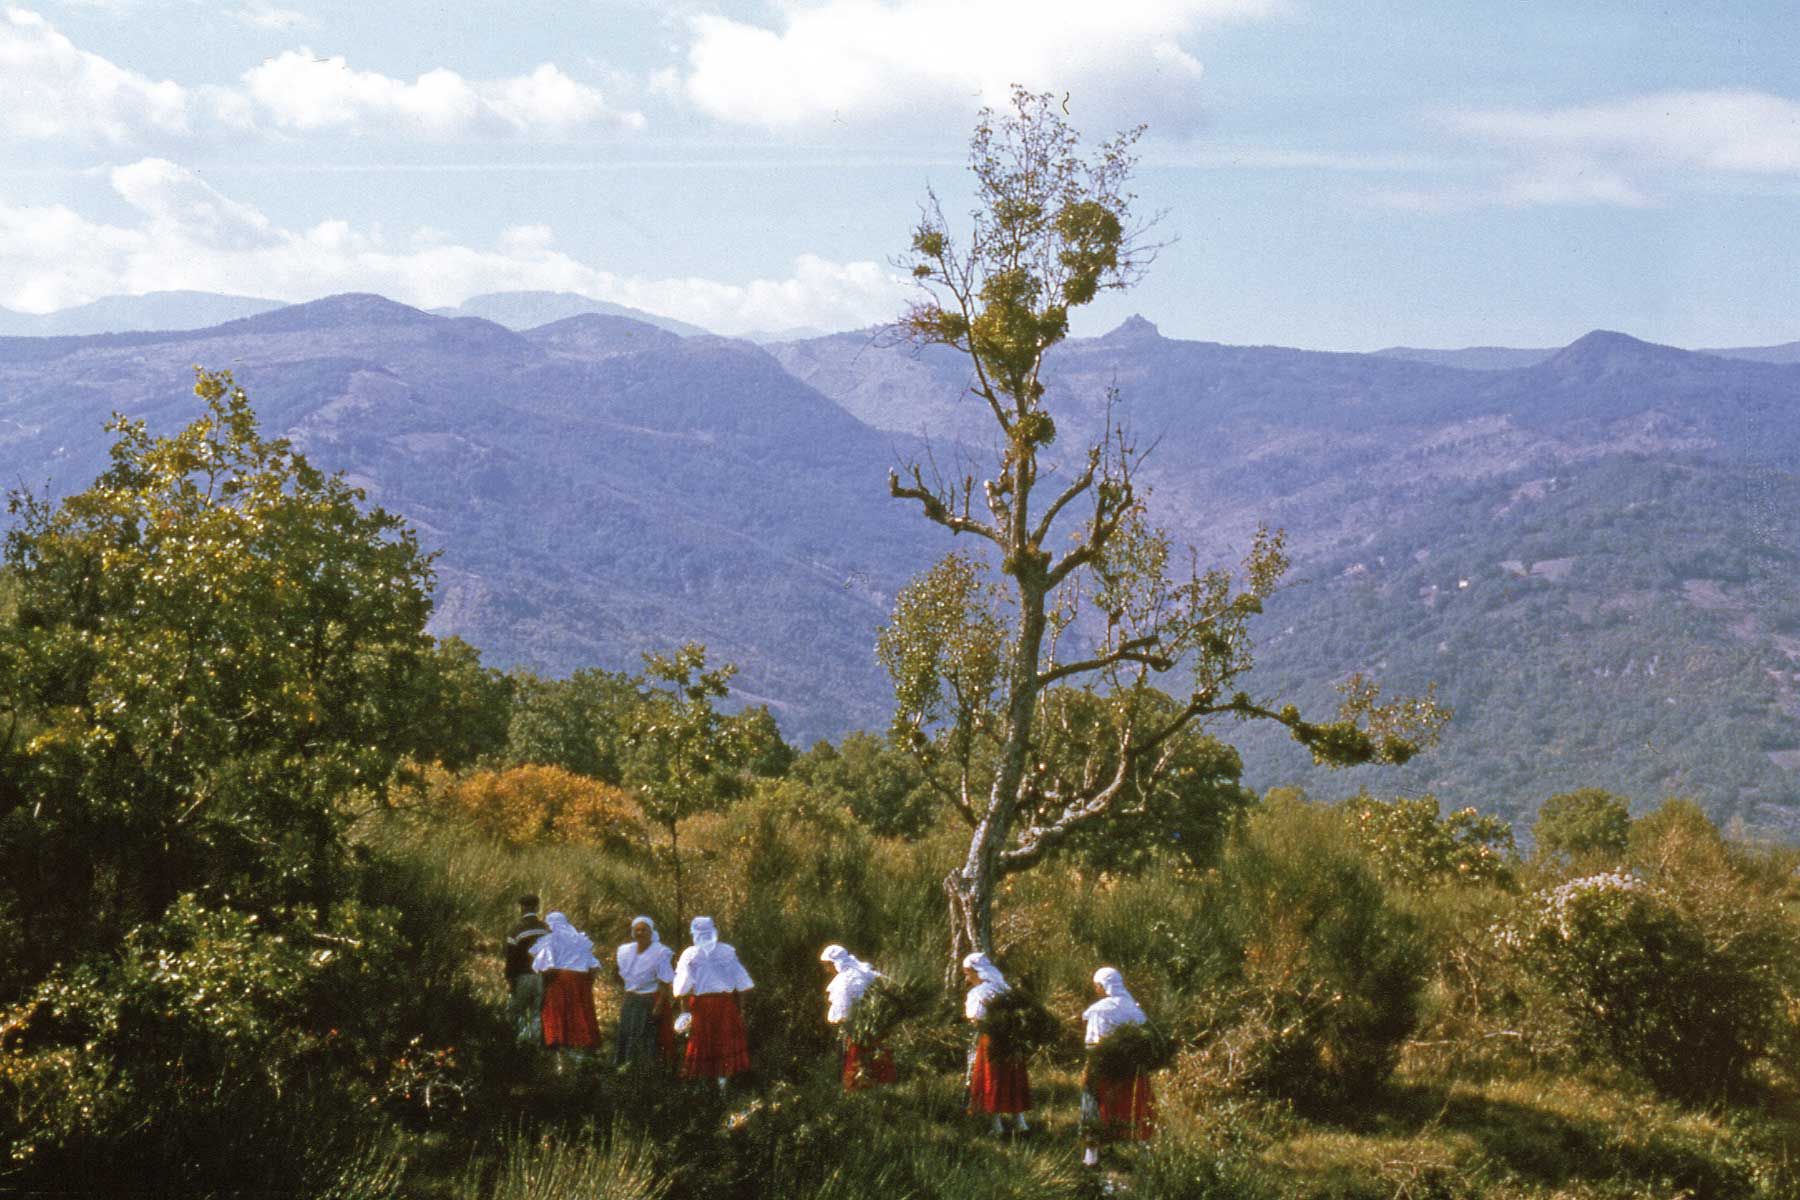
x: 188, y: 235
x: 873, y: 60
x: 60, y: 92
x: 1626, y: 152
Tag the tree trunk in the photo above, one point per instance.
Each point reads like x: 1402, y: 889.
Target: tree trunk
x: 675, y: 863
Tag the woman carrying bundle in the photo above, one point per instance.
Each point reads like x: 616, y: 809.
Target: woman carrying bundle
x: 1116, y: 1103
x: 565, y: 958
x: 998, y: 1084
x: 710, y: 977
x: 864, y: 1065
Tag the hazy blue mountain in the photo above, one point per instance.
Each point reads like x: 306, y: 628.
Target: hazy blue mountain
x: 1501, y: 358
x: 1472, y: 358
x: 1593, y: 556
x: 1528, y: 538
x: 126, y: 314
x: 1786, y: 353
x: 528, y: 310
x: 589, y: 502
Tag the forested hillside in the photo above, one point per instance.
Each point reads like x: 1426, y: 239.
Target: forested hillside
x: 598, y: 486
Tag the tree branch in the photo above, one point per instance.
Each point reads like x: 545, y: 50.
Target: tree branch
x: 1133, y: 650
x: 935, y: 509
x: 1078, y: 485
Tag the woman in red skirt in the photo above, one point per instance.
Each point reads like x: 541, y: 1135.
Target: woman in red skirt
x: 709, y: 977
x: 998, y: 1086
x: 864, y: 1066
x: 565, y: 958
x: 1113, y: 1107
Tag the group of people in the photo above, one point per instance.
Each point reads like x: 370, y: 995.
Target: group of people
x: 551, y: 968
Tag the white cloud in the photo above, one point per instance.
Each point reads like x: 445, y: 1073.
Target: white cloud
x: 1724, y: 131
x: 1624, y: 152
x: 264, y: 15
x: 52, y: 90
x: 298, y: 91
x: 49, y: 88
x: 880, y: 59
x: 188, y: 235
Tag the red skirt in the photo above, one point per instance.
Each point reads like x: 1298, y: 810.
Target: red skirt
x: 1127, y: 1108
x: 569, y: 1018
x: 867, y: 1066
x: 996, y: 1085
x: 717, y: 1047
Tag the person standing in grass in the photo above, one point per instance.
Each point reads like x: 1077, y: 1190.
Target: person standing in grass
x: 1116, y: 1103
x: 565, y: 958
x: 864, y: 1066
x: 524, y: 986
x: 999, y: 1086
x: 646, y: 971
x: 710, y: 978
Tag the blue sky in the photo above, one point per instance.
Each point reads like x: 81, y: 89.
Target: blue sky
x: 1333, y: 175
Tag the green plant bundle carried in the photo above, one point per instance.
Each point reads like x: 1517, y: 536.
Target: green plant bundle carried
x: 1017, y: 1024
x: 1131, y: 1050
x: 880, y: 1010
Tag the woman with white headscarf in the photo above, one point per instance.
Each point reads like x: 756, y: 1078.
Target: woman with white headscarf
x: 565, y: 958
x: 1114, y: 1106
x: 646, y: 971
x: 709, y: 977
x: 863, y: 1066
x: 998, y: 1084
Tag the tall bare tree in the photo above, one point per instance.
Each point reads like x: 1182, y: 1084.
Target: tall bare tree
x: 985, y: 648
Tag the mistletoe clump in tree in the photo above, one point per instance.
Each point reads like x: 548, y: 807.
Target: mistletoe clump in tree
x: 989, y: 652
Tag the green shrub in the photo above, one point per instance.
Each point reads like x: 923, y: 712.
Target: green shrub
x: 215, y: 1020
x: 1318, y: 974
x: 1643, y: 986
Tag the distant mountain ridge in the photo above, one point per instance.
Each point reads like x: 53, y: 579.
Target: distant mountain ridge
x: 528, y: 310
x: 132, y: 314
x: 1593, y: 555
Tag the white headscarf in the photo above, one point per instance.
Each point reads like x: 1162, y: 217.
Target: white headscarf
x: 1117, y: 1008
x: 655, y: 938
x: 564, y: 948
x: 705, y: 934
x: 984, y: 966
x: 992, y: 984
x: 852, y: 979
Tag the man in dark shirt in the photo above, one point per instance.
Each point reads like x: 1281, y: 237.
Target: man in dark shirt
x: 524, y: 986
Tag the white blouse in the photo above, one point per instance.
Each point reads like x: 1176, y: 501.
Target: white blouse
x: 1104, y: 1016
x: 642, y: 970
x: 698, y: 974
x: 845, y: 990
x: 975, y: 1004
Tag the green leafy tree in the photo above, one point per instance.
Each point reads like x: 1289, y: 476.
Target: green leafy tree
x: 212, y: 648
x: 882, y: 785
x: 1411, y: 844
x: 578, y: 723
x: 1073, y: 587
x: 1586, y: 825
x: 681, y: 755
x: 464, y: 709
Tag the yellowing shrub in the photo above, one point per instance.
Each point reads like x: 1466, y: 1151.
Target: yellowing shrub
x: 548, y: 804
